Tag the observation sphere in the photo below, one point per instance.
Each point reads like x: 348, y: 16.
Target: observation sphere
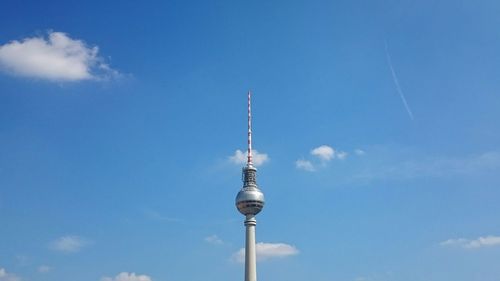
x: 250, y: 201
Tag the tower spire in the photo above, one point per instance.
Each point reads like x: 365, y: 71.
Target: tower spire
x: 249, y: 160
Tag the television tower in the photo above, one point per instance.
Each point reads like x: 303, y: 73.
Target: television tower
x: 250, y: 201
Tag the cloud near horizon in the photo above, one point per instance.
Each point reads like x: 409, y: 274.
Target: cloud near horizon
x: 239, y: 157
x: 267, y: 251
x: 125, y: 276
x: 481, y: 242
x: 55, y: 58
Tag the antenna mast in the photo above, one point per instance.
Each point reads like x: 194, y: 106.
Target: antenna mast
x: 249, y: 160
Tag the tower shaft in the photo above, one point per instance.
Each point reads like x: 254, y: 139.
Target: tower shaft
x: 250, y: 253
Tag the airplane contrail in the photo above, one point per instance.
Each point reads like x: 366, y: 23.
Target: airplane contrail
x: 396, y: 82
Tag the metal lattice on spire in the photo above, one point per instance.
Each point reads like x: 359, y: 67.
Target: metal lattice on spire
x: 249, y: 160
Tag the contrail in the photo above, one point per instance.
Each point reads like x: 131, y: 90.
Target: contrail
x: 396, y: 82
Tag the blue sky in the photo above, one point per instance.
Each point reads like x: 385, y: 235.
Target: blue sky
x: 120, y: 124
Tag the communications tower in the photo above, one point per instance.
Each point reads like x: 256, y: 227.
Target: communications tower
x: 250, y: 201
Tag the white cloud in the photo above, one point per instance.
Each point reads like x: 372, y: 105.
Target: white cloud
x: 450, y: 242
x: 323, y: 152
x: 341, y: 155
x: 154, y: 215
x: 240, y: 157
x: 267, y: 251
x: 359, y: 152
x: 56, y: 58
x: 125, y: 276
x: 481, y: 242
x: 322, y: 155
x: 44, y: 269
x: 6, y: 276
x: 305, y: 165
x: 214, y: 239
x: 69, y: 244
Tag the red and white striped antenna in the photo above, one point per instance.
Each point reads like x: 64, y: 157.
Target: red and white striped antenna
x: 249, y: 160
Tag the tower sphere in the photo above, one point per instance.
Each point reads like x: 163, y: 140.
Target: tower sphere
x: 250, y: 201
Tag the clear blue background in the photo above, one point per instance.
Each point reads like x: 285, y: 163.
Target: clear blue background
x: 96, y: 159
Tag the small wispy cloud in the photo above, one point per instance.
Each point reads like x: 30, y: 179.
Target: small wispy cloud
x: 438, y: 167
x: 56, y: 58
x: 396, y: 82
x: 7, y: 276
x: 341, y: 155
x: 69, y: 244
x: 22, y: 260
x: 44, y: 269
x: 239, y: 157
x: 305, y: 165
x: 157, y: 216
x: 481, y: 242
x: 267, y: 251
x: 125, y: 276
x: 213, y: 239
x: 359, y: 152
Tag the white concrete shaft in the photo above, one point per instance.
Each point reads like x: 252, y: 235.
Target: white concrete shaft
x: 250, y: 255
